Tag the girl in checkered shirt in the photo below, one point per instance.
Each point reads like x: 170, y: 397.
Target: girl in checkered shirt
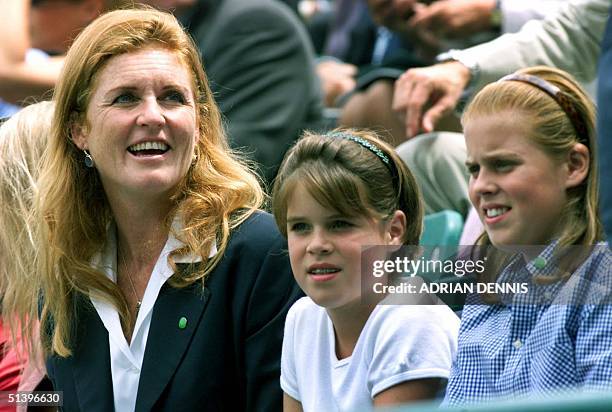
x: 532, y: 160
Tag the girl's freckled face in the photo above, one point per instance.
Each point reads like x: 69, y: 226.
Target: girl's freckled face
x: 518, y: 190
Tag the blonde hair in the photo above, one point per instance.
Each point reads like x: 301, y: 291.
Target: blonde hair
x: 218, y: 193
x: 345, y: 175
x: 22, y: 141
x: 555, y: 133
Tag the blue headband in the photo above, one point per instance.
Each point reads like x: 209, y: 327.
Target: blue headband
x: 391, y: 166
x: 363, y: 142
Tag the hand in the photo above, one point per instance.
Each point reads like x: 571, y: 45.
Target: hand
x: 393, y: 14
x: 336, y: 79
x: 453, y: 18
x: 439, y: 86
x: 396, y: 16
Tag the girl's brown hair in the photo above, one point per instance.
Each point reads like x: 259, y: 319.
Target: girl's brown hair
x: 344, y: 170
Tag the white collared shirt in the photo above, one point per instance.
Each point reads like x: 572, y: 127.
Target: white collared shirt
x: 126, y: 359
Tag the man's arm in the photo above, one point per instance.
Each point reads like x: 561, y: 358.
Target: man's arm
x: 13, y: 26
x: 515, y: 13
x: 18, y: 79
x: 568, y: 40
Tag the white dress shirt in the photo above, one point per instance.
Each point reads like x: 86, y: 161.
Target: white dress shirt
x: 126, y: 359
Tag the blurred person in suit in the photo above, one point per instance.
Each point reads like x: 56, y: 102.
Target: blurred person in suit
x: 260, y: 63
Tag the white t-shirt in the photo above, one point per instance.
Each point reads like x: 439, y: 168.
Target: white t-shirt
x: 398, y: 343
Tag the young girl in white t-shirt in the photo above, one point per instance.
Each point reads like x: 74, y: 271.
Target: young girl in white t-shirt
x: 342, y: 351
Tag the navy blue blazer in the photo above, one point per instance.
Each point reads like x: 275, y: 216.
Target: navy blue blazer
x: 227, y: 357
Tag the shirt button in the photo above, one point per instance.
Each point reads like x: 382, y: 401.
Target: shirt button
x: 517, y: 344
x: 133, y: 369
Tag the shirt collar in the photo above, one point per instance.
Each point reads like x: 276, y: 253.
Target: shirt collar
x: 543, y: 265
x: 106, y: 262
x: 106, y: 259
x: 538, y: 266
x: 173, y: 244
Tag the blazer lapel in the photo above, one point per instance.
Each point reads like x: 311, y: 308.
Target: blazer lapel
x: 168, y: 338
x: 91, y: 362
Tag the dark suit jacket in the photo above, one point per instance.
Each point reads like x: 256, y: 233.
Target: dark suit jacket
x: 260, y: 65
x: 228, y: 356
x: 604, y: 130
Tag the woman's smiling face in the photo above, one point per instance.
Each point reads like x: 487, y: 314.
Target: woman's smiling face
x: 141, y: 125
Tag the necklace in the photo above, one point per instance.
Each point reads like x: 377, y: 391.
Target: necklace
x: 127, y: 274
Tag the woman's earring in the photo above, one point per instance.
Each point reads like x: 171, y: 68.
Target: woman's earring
x: 88, y: 159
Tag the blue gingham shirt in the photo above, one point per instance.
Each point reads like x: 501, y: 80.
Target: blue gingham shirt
x: 530, y: 346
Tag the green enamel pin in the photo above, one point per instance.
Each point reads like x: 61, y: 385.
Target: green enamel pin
x: 539, y: 262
